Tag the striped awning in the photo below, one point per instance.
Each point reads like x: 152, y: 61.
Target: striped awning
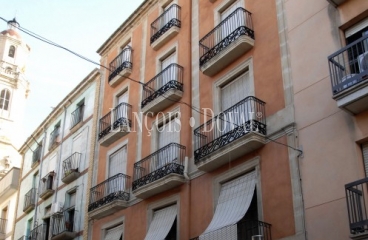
x: 161, y: 224
x: 233, y: 203
x: 114, y: 233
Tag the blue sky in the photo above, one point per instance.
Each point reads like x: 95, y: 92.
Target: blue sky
x: 80, y: 25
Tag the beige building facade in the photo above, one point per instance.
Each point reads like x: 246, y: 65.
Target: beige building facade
x: 328, y: 44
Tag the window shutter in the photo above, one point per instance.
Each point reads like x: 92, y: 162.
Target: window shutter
x: 235, y: 91
x: 117, y: 162
x: 365, y: 157
x: 356, y: 28
x: 168, y: 134
x: 114, y: 233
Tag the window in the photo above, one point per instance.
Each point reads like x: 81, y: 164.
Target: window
x: 4, y: 213
x: 77, y: 115
x: 163, y: 224
x: 233, y: 23
x: 8, y: 70
x: 11, y: 51
x: 54, y: 135
x: 69, y: 213
x: 170, y: 14
x: 365, y: 157
x: 29, y: 225
x: 127, y: 56
x: 114, y: 233
x: 168, y: 71
x: 118, y: 162
x: 358, y: 55
x: 34, y: 180
x: 4, y: 99
x: 237, y: 204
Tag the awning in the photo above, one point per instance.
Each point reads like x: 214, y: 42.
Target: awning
x: 161, y: 224
x: 233, y: 202
x: 114, y: 233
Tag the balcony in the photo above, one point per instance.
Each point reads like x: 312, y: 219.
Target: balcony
x: 29, y: 200
x: 3, y: 223
x: 235, y: 132
x: 63, y: 225
x: 163, y: 90
x: 109, y: 196
x: 165, y: 27
x: 245, y: 230
x: 47, y: 188
x: 229, y: 40
x: 112, y: 128
x: 71, y: 168
x: 76, y: 116
x: 160, y: 171
x: 54, y: 138
x: 36, y: 157
x: 349, y: 76
x: 121, y: 67
x: 356, y: 198
x: 9, y: 184
x: 38, y: 233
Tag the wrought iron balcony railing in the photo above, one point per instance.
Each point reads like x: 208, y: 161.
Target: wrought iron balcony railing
x: 245, y: 230
x: 349, y: 65
x: 38, y: 233
x: 53, y: 137
x: 169, y: 78
x: 23, y: 238
x: 238, y: 23
x: 63, y: 222
x: 167, y: 160
x: 168, y: 19
x: 29, y: 199
x: 356, y: 198
x: 77, y: 116
x: 47, y: 182
x: 121, y: 116
x: 246, y: 116
x: 121, y: 62
x: 115, y: 188
x: 71, y: 164
x: 3, y: 223
x: 37, y: 154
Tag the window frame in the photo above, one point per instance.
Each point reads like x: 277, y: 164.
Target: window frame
x: 5, y: 95
x: 11, y: 52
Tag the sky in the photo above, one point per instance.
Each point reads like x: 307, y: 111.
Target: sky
x: 79, y: 25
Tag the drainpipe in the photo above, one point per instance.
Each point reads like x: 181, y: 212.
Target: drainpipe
x: 40, y: 171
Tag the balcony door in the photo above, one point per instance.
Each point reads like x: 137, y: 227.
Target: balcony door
x: 231, y: 94
x: 168, y: 74
x: 170, y: 14
x: 168, y: 133
x: 126, y: 54
x: 117, y: 164
x: 122, y: 111
x: 73, y: 165
x: 233, y: 22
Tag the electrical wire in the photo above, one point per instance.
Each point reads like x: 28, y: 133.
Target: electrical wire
x: 45, y: 40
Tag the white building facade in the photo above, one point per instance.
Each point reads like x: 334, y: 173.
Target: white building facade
x: 14, y: 89
x: 53, y: 184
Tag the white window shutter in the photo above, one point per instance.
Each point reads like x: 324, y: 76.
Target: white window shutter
x: 117, y: 162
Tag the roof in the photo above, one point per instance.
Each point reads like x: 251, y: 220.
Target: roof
x: 12, y: 33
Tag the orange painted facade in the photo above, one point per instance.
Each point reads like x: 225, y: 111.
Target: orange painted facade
x: 196, y: 197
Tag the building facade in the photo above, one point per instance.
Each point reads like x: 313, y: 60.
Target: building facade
x: 53, y: 181
x: 196, y: 132
x: 328, y: 42
x: 14, y: 89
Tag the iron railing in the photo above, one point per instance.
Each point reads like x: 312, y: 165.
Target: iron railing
x: 29, y: 198
x: 71, y: 164
x: 53, y: 137
x: 246, y: 116
x: 237, y: 24
x: 115, y: 188
x: 63, y: 222
x: 121, y: 116
x: 167, y: 160
x: 169, y: 78
x: 3, y: 223
x: 168, y: 19
x: 349, y: 65
x: 77, y: 116
x: 37, y: 154
x: 47, y: 182
x: 243, y: 230
x: 121, y: 62
x: 38, y: 233
x: 356, y: 199
x: 23, y: 238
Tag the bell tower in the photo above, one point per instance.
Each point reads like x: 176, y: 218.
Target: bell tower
x: 14, y: 89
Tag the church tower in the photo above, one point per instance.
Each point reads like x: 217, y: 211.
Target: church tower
x: 14, y: 90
